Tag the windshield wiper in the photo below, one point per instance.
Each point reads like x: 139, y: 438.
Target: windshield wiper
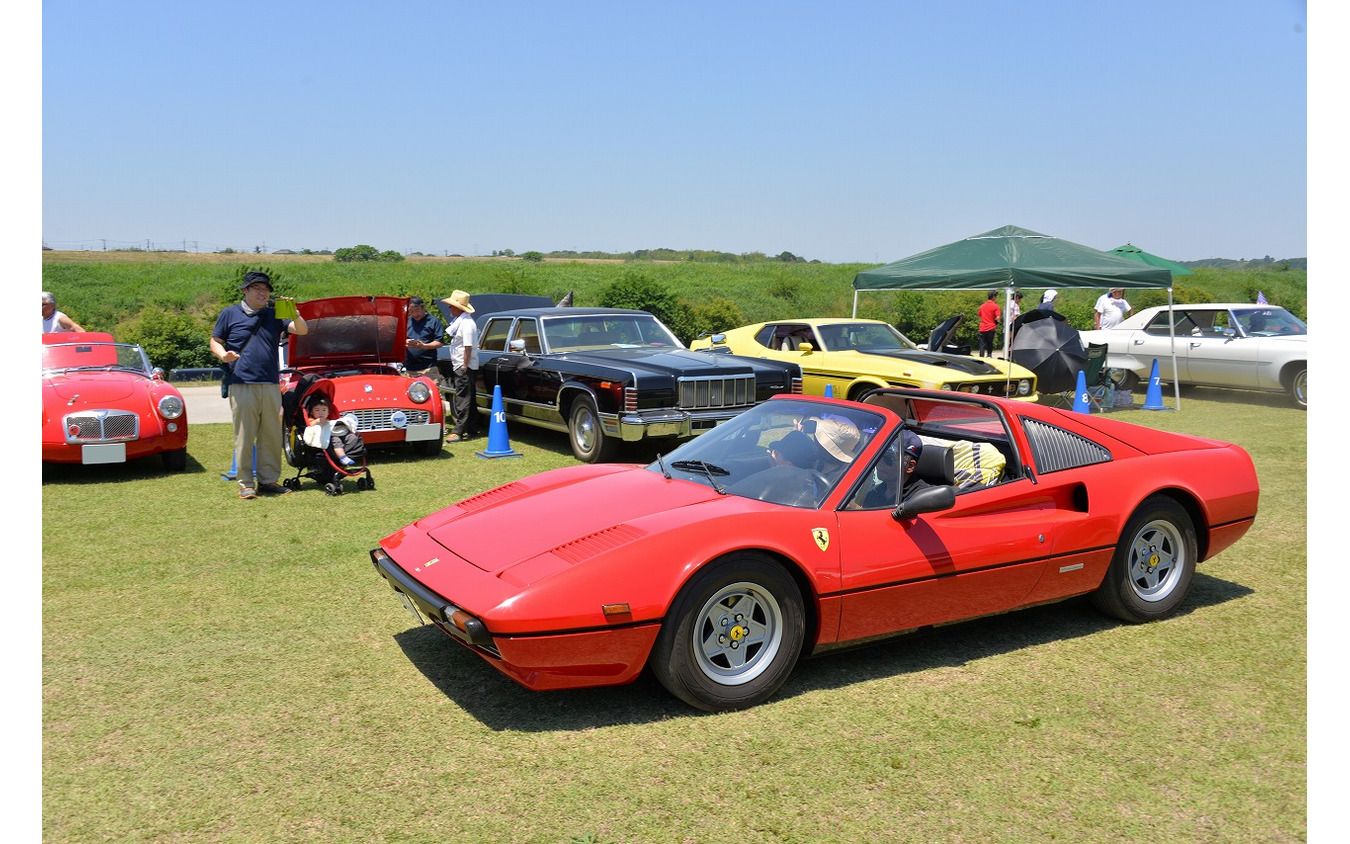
x: 662, y: 464
x: 708, y: 469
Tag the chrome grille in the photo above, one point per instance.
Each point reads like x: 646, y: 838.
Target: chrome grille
x: 102, y: 426
x: 381, y: 419
x: 717, y: 391
x: 1007, y: 389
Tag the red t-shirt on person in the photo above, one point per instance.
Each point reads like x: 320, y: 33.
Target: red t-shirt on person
x: 989, y: 314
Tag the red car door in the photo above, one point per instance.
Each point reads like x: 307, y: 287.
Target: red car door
x: 982, y: 556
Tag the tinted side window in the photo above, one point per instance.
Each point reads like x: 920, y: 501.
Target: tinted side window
x: 494, y: 335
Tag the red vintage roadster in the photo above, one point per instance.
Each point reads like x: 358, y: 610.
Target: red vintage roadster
x: 102, y: 402
x: 784, y: 533
x: 358, y: 343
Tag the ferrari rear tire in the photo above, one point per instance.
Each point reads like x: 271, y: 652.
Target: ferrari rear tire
x: 732, y: 635
x: 1153, y: 564
x: 590, y: 444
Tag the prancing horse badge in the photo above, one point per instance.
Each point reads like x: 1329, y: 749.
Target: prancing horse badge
x: 822, y: 537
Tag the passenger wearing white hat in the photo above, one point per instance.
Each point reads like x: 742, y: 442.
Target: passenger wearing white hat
x: 463, y: 341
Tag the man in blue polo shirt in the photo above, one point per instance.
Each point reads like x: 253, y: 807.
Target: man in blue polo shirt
x: 246, y: 336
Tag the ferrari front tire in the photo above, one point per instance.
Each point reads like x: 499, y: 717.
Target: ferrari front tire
x: 732, y: 635
x: 1154, y: 562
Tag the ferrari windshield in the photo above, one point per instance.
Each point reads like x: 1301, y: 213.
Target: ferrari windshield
x: 66, y: 357
x: 785, y: 451
x: 864, y: 337
x: 595, y: 331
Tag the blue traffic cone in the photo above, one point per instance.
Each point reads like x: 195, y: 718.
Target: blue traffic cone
x: 1080, y: 395
x: 1153, y: 399
x: 499, y: 445
x: 233, y: 474
x: 829, y: 391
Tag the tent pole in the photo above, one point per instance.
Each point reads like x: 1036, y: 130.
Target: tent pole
x: 1007, y: 333
x: 1176, y: 381
x: 855, y: 304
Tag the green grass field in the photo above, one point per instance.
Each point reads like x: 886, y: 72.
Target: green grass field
x: 220, y: 670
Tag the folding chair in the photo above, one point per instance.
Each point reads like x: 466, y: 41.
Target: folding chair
x: 1100, y: 388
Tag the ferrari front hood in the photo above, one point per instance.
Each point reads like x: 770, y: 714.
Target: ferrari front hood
x: 573, y: 512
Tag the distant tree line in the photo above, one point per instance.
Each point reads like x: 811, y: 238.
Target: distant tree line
x: 1266, y: 263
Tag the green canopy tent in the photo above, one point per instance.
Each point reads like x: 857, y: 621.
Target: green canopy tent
x: 1134, y: 253
x: 1012, y: 258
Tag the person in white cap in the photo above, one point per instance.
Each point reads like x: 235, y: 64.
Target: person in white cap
x: 463, y: 337
x: 1110, y: 309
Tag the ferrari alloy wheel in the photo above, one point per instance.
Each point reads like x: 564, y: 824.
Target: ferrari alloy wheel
x: 1153, y: 564
x: 589, y: 442
x: 732, y: 636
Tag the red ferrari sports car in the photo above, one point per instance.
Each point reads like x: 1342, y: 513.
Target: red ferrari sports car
x: 103, y: 403
x: 359, y: 343
x: 787, y: 532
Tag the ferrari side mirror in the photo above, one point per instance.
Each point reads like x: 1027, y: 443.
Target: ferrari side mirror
x: 930, y: 500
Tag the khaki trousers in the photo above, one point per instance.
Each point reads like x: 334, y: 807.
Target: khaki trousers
x: 256, y: 410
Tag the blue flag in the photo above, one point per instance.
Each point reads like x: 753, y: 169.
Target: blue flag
x: 1261, y: 298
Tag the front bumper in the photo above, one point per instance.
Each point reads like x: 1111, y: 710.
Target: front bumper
x: 568, y: 660
x: 633, y: 427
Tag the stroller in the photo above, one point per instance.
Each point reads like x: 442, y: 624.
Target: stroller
x: 319, y: 464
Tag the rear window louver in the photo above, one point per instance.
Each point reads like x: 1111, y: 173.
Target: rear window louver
x: 1055, y: 449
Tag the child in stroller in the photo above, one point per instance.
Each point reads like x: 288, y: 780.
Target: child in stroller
x: 326, y: 450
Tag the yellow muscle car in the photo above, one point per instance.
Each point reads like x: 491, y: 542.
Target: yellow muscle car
x: 856, y: 356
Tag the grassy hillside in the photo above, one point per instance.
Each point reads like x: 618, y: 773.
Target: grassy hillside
x: 119, y: 292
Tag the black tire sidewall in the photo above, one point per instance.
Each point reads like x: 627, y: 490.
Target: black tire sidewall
x: 1116, y: 595
x: 673, y: 659
x: 604, y: 447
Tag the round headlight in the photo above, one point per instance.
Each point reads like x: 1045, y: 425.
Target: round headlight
x: 419, y: 392
x: 1024, y: 387
x: 944, y: 386
x: 171, y: 407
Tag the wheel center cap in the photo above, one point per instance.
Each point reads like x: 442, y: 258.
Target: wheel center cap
x: 737, y: 633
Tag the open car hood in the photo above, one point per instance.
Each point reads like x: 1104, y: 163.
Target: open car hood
x: 351, y: 330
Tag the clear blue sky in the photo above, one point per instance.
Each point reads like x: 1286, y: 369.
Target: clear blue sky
x: 843, y: 131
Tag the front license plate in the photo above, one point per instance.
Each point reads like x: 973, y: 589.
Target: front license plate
x: 422, y: 433
x: 103, y: 453
x: 411, y: 607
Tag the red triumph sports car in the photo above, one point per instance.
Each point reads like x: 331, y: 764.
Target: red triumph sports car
x: 359, y: 343
x: 780, y: 534
x: 102, y: 402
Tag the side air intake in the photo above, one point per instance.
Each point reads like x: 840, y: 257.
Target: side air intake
x: 1055, y: 449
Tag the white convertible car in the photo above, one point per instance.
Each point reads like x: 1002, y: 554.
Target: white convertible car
x: 1249, y: 347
